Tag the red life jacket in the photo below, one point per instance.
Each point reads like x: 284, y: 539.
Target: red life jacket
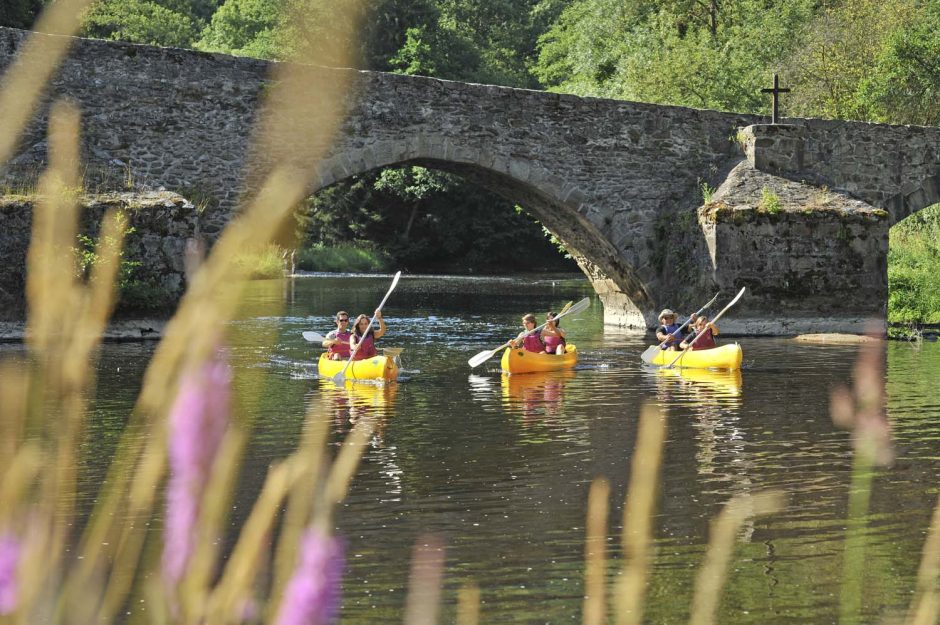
x: 341, y: 348
x: 706, y: 341
x: 532, y: 343
x: 366, y: 348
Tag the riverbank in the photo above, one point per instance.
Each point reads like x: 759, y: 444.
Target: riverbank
x: 119, y: 330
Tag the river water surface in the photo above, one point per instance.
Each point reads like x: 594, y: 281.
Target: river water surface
x: 499, y: 468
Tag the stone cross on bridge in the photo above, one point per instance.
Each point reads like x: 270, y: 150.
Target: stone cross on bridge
x: 660, y: 205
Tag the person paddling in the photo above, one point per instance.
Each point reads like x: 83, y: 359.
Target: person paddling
x: 528, y: 339
x: 704, y: 329
x: 666, y: 333
x: 367, y: 335
x: 553, y: 337
x: 337, y: 341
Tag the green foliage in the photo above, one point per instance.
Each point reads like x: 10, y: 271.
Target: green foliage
x: 341, y: 258
x: 244, y: 27
x: 19, y: 13
x: 164, y: 23
x: 707, y: 193
x: 905, y: 83
x: 712, y: 55
x: 913, y: 267
x: 88, y: 253
x: 838, y: 55
x: 262, y: 264
x: 769, y: 202
x: 428, y: 220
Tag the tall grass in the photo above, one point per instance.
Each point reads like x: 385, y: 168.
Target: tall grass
x: 195, y: 429
x: 341, y: 258
x: 913, y: 269
x: 267, y: 262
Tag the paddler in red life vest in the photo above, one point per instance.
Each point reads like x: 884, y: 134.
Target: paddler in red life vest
x: 708, y: 331
x: 337, y: 341
x: 528, y: 339
x: 367, y: 334
x: 553, y: 337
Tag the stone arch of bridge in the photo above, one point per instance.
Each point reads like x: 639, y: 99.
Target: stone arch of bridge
x: 914, y: 198
x: 558, y: 205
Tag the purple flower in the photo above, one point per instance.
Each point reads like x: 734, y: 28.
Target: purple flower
x: 313, y: 593
x: 10, y: 550
x: 197, y: 424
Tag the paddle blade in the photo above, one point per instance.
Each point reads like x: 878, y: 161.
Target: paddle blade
x: 482, y: 357
x: 313, y: 337
x: 649, y: 355
x: 582, y: 305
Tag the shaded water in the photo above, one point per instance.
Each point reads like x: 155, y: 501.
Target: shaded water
x: 500, y: 468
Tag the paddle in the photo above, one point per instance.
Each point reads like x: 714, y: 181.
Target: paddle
x: 484, y: 356
x: 340, y: 377
x: 650, y: 354
x: 716, y: 318
x: 313, y: 337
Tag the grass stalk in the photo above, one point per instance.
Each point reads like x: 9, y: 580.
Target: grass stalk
x: 724, y: 529
x: 468, y: 605
x: 300, y: 501
x: 853, y: 559
x: 925, y: 606
x: 423, y: 602
x: 595, y: 553
x: 637, y: 516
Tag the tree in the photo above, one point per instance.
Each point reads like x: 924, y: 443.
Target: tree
x: 904, y: 85
x: 162, y: 23
x: 19, y: 13
x: 838, y: 54
x: 245, y: 27
x: 686, y: 52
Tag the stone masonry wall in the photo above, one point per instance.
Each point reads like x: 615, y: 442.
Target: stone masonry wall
x: 162, y: 223
x: 811, y: 259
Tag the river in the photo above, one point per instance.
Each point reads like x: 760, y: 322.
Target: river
x: 499, y: 469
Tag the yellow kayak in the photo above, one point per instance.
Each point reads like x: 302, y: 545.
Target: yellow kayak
x: 520, y: 361
x: 375, y: 368
x: 721, y: 357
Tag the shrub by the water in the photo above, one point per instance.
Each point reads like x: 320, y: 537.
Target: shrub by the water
x: 341, y: 258
x: 913, y: 269
x: 262, y: 265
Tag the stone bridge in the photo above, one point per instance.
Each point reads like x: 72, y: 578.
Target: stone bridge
x: 660, y: 205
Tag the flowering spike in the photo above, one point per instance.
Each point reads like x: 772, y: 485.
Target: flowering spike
x: 312, y: 595
x: 197, y: 424
x: 10, y: 550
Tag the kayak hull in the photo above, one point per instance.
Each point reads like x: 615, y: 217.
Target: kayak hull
x: 722, y: 357
x: 520, y: 361
x: 375, y: 368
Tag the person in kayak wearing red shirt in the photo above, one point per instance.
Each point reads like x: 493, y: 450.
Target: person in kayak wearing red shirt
x: 364, y: 332
x: 337, y: 341
x: 530, y: 341
x: 708, y: 331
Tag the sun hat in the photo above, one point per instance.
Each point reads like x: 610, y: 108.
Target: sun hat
x: 667, y: 312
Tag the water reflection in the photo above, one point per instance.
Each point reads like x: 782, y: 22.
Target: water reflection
x: 501, y: 467
x: 537, y: 396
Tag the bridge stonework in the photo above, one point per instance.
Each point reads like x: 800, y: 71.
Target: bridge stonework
x: 620, y: 183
